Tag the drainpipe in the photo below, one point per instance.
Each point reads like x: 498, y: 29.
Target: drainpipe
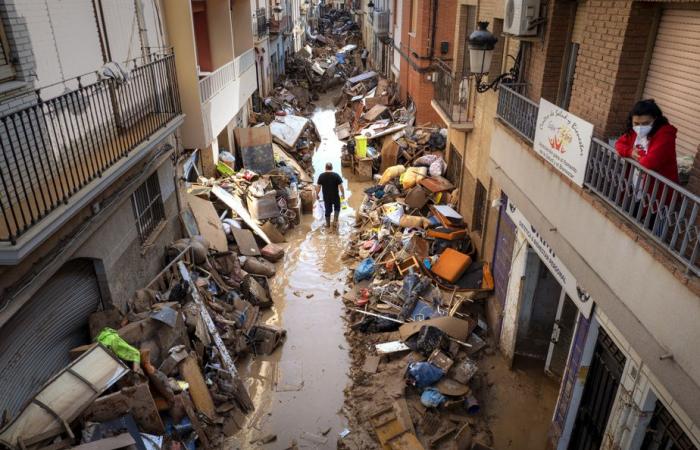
x: 434, y: 9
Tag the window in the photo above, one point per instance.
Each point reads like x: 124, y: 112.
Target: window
x: 664, y: 433
x: 567, y: 82
x: 414, y: 16
x: 455, y: 170
x: 7, y: 72
x: 480, y: 207
x: 468, y: 15
x: 148, y: 207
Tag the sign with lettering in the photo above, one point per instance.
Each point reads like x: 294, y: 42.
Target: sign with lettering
x: 564, y: 140
x: 561, y: 273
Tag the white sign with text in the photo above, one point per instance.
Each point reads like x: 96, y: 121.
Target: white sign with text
x: 564, y: 140
x: 561, y: 273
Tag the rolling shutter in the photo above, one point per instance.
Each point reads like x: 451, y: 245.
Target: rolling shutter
x: 673, y: 79
x: 34, y: 343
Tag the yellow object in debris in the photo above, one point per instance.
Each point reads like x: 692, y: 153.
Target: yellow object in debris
x: 361, y: 146
x: 391, y: 173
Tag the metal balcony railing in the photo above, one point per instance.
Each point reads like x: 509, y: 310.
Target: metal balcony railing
x: 661, y: 209
x: 283, y: 25
x: 517, y: 110
x: 53, y: 149
x: 451, y: 92
x: 260, y: 23
x: 216, y: 81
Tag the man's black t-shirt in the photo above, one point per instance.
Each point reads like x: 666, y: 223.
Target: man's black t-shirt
x: 329, y: 182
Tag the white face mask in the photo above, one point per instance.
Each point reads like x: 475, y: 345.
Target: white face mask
x: 642, y: 130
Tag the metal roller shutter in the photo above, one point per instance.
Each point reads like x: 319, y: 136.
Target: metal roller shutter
x: 34, y: 344
x: 673, y: 79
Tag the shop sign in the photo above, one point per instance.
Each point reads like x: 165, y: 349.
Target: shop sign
x: 561, y: 273
x: 564, y: 140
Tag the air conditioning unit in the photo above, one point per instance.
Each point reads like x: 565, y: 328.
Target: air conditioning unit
x: 380, y: 22
x: 520, y: 16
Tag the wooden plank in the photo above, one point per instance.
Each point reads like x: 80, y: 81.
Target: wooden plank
x: 241, y: 393
x: 208, y: 222
x: 236, y: 205
x: 110, y: 443
x: 189, y: 369
x: 390, y: 154
x: 246, y: 242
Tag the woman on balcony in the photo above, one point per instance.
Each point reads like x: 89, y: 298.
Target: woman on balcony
x: 650, y: 140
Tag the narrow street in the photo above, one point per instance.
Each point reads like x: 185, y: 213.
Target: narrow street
x: 298, y: 391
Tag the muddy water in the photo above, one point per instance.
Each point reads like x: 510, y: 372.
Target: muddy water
x: 298, y: 391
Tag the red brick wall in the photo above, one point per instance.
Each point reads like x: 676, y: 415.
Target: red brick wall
x: 412, y: 81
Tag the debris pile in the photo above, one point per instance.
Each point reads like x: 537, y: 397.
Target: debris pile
x: 162, y: 376
x: 418, y: 329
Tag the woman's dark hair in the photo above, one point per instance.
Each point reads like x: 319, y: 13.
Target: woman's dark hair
x: 647, y: 108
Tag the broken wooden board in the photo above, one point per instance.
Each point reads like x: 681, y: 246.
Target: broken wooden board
x: 236, y: 205
x: 242, y: 396
x: 255, y: 146
x: 362, y: 77
x: 86, y: 378
x: 455, y: 328
x: 189, y: 369
x: 135, y: 400
x: 246, y: 242
x: 282, y: 155
x: 390, y: 153
x: 208, y: 222
x: 371, y: 364
x: 374, y: 113
x: 342, y: 131
x: 273, y: 233
x: 110, y: 443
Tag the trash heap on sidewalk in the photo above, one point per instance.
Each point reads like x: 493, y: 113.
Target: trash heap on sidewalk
x: 379, y: 130
x: 418, y: 324
x: 162, y: 375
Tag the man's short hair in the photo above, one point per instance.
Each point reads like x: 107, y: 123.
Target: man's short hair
x: 329, y: 166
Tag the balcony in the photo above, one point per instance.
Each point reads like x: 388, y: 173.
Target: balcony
x: 283, y: 25
x: 451, y: 96
x: 260, y: 24
x: 660, y: 209
x: 54, y: 150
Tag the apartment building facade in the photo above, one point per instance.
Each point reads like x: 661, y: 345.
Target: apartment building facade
x: 89, y: 129
x: 215, y: 51
x: 595, y: 257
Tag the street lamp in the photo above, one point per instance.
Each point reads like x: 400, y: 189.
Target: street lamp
x: 481, y: 46
x: 370, y: 5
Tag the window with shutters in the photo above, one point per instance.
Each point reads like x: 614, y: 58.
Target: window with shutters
x: 148, y: 207
x: 7, y: 72
x: 468, y: 14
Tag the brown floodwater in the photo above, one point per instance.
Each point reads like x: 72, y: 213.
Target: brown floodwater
x: 298, y: 390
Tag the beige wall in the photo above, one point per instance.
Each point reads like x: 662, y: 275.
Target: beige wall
x: 241, y: 15
x: 643, y: 299
x: 220, y: 32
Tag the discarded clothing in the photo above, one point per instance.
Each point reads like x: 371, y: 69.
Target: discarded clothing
x: 423, y: 374
x: 432, y: 398
x: 365, y: 270
x: 111, y: 339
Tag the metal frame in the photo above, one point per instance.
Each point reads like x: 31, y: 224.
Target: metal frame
x: 149, y: 210
x: 452, y: 92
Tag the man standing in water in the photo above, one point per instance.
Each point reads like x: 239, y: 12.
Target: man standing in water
x: 332, y: 186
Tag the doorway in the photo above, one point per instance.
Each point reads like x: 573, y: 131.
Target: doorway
x: 546, y: 320
x: 599, y: 392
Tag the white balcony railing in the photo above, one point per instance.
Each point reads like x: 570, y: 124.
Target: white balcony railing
x: 244, y: 62
x: 216, y: 81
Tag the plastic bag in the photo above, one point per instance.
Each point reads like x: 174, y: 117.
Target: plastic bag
x: 111, y: 339
x: 365, y: 270
x: 432, y: 398
x: 319, y: 210
x: 423, y: 374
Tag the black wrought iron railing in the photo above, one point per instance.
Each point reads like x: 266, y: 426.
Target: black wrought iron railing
x: 261, y: 25
x: 53, y: 149
x: 659, y: 208
x: 451, y: 92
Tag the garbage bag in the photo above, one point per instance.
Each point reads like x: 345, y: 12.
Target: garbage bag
x: 390, y: 173
x: 371, y: 324
x: 423, y: 374
x: 111, y: 339
x: 412, y: 176
x: 365, y: 270
x: 319, y: 210
x: 432, y: 398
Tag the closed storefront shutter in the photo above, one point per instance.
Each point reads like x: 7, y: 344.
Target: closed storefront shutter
x: 34, y: 343
x: 673, y: 79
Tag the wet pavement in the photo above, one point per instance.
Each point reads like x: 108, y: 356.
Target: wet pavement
x: 298, y: 391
